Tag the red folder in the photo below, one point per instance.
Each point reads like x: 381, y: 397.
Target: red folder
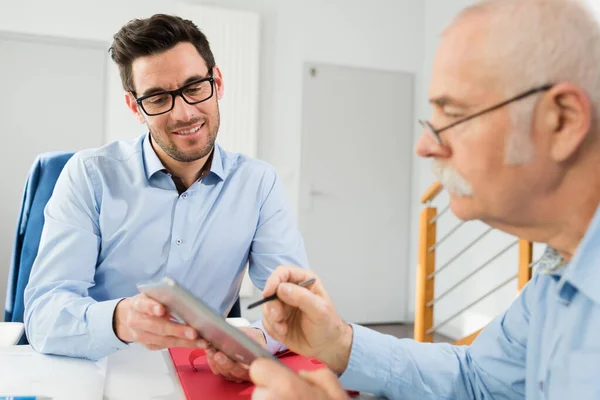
x: 199, y: 383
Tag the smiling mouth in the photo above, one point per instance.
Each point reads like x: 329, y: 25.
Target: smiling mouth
x: 191, y: 131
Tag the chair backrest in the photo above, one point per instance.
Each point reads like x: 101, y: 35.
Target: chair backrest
x: 38, y: 189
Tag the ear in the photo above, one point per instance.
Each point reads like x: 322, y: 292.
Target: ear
x: 566, y: 117
x: 218, y: 77
x: 132, y: 105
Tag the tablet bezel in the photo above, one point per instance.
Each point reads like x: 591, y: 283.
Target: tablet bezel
x: 212, y: 327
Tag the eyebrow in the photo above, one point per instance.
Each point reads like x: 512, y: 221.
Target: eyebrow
x: 157, y: 89
x: 445, y: 100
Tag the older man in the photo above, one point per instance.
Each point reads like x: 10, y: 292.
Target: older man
x: 515, y: 140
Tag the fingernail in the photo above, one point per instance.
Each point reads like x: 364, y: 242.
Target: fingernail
x: 260, y: 394
x: 189, y: 334
x: 273, y: 313
x: 288, y: 288
x: 156, y: 310
x: 201, y: 344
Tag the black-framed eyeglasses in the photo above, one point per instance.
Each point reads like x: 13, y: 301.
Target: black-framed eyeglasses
x: 436, y: 132
x: 161, y: 103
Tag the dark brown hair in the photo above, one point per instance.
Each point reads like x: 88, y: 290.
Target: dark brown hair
x: 144, y: 37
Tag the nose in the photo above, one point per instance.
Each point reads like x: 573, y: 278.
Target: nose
x: 182, y: 111
x: 428, y: 147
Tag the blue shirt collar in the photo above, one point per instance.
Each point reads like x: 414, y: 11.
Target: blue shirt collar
x: 152, y: 163
x: 584, y: 268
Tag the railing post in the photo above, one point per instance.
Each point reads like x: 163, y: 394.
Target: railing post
x: 426, y: 267
x: 525, y: 258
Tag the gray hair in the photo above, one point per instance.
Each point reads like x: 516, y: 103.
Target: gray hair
x: 539, y: 42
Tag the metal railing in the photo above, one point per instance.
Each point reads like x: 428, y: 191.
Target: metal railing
x: 427, y: 271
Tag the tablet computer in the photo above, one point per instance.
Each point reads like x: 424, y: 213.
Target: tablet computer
x: 211, y: 326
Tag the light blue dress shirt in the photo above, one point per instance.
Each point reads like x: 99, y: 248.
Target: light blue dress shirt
x: 116, y: 219
x: 545, y: 346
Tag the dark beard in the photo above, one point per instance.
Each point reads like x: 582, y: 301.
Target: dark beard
x: 172, y: 151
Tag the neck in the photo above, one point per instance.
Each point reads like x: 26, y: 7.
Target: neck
x: 564, y: 221
x: 188, y: 172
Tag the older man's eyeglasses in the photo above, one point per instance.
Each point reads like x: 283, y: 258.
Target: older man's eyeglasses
x: 436, y: 132
x: 162, y: 102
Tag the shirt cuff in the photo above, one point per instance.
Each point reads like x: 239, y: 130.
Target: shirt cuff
x: 272, y: 345
x: 370, y: 360
x: 100, y: 325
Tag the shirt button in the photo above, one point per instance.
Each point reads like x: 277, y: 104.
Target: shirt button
x: 178, y: 242
x: 184, y: 195
x: 541, y: 385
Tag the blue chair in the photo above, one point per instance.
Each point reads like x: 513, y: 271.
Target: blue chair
x: 38, y: 189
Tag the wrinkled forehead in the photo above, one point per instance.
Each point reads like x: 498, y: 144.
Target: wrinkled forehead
x: 464, y: 66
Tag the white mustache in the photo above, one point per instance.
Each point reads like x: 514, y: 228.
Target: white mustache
x: 451, y: 180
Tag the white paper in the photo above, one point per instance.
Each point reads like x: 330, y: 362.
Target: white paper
x: 23, y: 371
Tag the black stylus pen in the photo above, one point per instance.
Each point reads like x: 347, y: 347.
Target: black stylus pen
x: 274, y: 296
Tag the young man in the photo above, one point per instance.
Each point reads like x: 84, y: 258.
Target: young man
x: 171, y: 202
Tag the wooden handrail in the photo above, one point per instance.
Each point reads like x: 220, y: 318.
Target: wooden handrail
x: 525, y: 258
x: 426, y: 267
x: 432, y: 192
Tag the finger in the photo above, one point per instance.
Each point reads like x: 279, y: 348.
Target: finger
x: 286, y: 274
x: 274, y: 310
x: 222, y: 365
x: 146, y: 305
x: 276, y: 329
x: 325, y: 380
x: 255, y: 334
x: 211, y: 362
x: 315, y: 307
x: 260, y: 393
x: 240, y: 373
x: 272, y: 375
x: 161, y: 342
x: 161, y: 326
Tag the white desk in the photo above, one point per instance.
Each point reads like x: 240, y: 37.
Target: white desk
x: 132, y: 373
x: 137, y: 373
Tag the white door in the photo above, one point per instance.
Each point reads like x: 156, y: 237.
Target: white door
x: 52, y: 98
x: 357, y: 129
